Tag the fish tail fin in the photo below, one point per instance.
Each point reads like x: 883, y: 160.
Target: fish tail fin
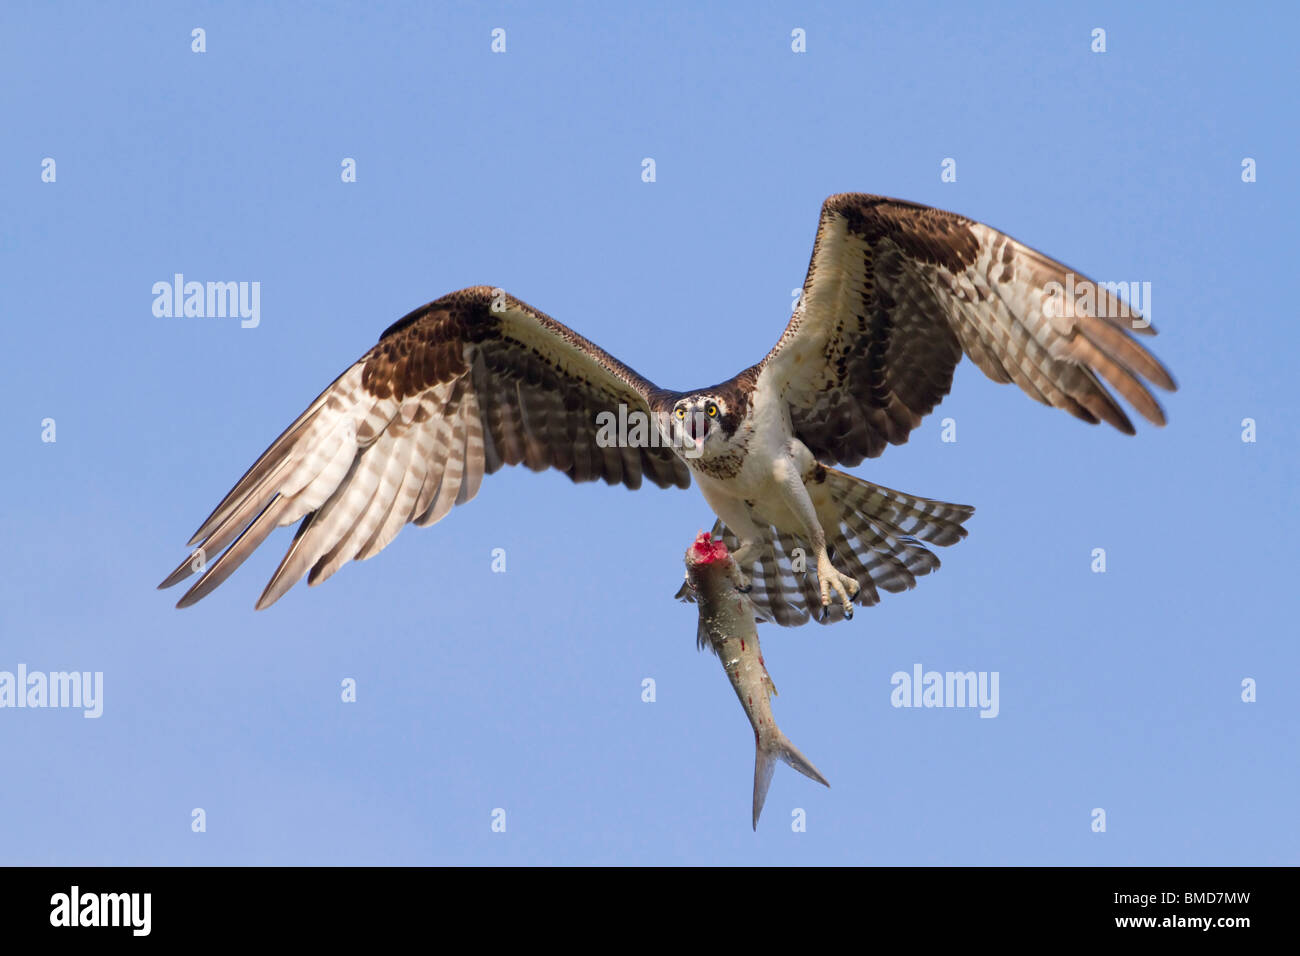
x: 778, y: 747
x: 764, y: 765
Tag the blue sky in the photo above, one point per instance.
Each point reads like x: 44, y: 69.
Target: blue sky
x: 522, y: 690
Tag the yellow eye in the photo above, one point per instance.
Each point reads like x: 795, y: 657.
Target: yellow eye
x: 712, y: 410
x: 681, y: 414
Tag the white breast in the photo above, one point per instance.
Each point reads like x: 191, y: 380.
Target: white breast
x: 770, y: 434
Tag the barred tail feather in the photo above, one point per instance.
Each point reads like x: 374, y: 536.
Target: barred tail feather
x: 876, y: 534
x: 936, y: 522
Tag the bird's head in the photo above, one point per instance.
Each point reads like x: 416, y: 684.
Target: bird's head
x: 698, y: 421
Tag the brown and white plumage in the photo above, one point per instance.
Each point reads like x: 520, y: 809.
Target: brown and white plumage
x: 453, y: 391
x: 895, y: 294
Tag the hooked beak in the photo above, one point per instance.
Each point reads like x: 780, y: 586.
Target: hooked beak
x: 697, y: 426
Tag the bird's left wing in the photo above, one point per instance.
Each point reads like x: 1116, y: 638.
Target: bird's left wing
x: 897, y: 291
x: 453, y: 391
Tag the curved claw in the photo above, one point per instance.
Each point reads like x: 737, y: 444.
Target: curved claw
x: 740, y: 581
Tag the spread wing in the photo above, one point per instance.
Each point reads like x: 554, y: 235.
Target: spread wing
x: 896, y: 292
x: 455, y: 390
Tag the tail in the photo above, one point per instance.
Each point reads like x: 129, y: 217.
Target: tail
x: 878, y: 514
x: 878, y: 535
x: 778, y: 746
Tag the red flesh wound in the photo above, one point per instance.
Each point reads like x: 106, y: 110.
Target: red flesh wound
x: 707, y: 551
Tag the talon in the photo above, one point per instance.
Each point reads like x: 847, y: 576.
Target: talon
x: 844, y: 587
x: 741, y: 582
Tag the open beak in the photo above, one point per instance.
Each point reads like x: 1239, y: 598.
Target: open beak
x: 696, y: 426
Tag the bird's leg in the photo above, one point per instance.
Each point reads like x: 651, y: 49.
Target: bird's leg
x: 743, y: 562
x: 789, y: 478
x: 844, y: 586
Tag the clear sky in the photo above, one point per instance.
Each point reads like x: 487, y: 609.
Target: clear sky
x: 523, y: 691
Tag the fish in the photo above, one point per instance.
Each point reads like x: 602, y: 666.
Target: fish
x: 728, y: 627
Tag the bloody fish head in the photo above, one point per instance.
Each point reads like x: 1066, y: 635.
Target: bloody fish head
x: 707, y: 551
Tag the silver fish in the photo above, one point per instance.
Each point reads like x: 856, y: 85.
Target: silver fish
x: 727, y: 628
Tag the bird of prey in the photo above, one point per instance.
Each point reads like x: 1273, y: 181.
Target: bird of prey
x: 895, y: 293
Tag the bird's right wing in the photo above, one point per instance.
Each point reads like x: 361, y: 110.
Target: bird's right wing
x: 453, y: 391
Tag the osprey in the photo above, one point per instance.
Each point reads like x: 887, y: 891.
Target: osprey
x: 896, y: 292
